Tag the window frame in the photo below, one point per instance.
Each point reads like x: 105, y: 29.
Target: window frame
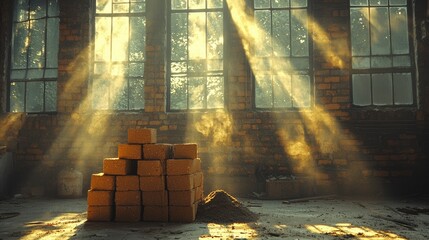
x: 412, y: 69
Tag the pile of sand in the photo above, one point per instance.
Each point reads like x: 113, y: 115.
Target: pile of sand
x: 221, y: 207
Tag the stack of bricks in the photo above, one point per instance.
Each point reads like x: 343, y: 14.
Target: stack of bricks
x: 148, y: 181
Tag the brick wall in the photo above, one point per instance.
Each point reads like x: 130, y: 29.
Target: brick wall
x: 332, y: 142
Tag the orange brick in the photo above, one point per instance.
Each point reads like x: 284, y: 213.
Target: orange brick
x: 199, y: 193
x: 155, y: 214
x: 130, y: 151
x: 128, y: 198
x: 142, y: 135
x: 150, y: 168
x: 157, y: 151
x: 100, y: 181
x: 152, y: 183
x: 127, y: 183
x: 183, y: 166
x: 100, y: 213
x: 100, y: 198
x: 116, y: 166
x: 155, y: 198
x: 185, y: 150
x: 198, y: 179
x: 181, y: 198
x: 180, y: 182
x: 182, y: 213
x: 128, y: 213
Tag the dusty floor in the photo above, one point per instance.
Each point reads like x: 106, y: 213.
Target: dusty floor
x: 335, y: 218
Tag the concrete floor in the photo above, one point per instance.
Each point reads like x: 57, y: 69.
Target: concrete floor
x: 335, y: 218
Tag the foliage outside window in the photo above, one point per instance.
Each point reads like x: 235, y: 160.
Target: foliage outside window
x: 119, y: 55
x: 282, y: 72
x: 381, y: 59
x: 196, y: 62
x: 34, y: 56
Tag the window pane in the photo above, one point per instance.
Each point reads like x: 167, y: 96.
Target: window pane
x: 215, y: 92
x: 179, y: 37
x: 263, y: 17
x: 37, y: 9
x: 51, y: 73
x: 52, y: 43
x: 299, y: 32
x: 103, y: 6
x: 282, y: 91
x: 102, y: 38
x: 382, y: 89
x: 36, y: 50
x: 34, y: 97
x: 403, y: 88
x: 137, y: 7
x: 178, y: 92
x: 50, y: 96
x: 263, y: 92
x: 215, y: 35
x: 17, y: 96
x: 100, y: 94
x: 196, y: 91
x: 401, y: 61
x: 137, y: 38
x: 298, y: 3
x: 399, y: 28
x: 119, y: 93
x: 381, y: 62
x: 361, y: 62
x: 18, y: 74
x: 34, y: 74
x: 281, y: 33
x: 197, y: 35
x: 21, y: 10
x: 261, y: 3
x: 280, y: 3
x: 301, y: 90
x: 121, y: 8
x: 380, y: 36
x: 360, y: 31
x: 361, y: 89
x: 398, y: 2
x: 197, y: 4
x: 179, y: 67
x: 120, y: 36
x: 378, y: 2
x: 179, y: 4
x: 136, y: 69
x: 53, y: 9
x: 19, y: 48
x: 214, y: 3
x: 299, y: 63
x: 358, y: 2
x: 136, y: 94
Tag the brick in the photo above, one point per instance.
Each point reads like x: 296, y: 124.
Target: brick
x: 100, y: 198
x: 101, y: 181
x: 150, y: 168
x: 199, y: 193
x: 127, y: 183
x: 128, y: 198
x: 116, y: 166
x: 152, y: 183
x: 142, y: 135
x: 182, y: 213
x: 157, y: 151
x: 130, y: 151
x: 155, y: 198
x: 180, y: 182
x: 185, y: 150
x: 100, y: 213
x: 155, y: 214
x: 181, y: 198
x: 128, y: 213
x: 183, y: 166
x: 198, y: 179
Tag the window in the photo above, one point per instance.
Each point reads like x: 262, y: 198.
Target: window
x: 282, y: 70
x: 34, y: 56
x: 119, y: 55
x: 196, y: 43
x: 381, y: 59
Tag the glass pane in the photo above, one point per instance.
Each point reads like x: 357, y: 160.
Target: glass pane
x: 263, y: 17
x: 361, y: 62
x: 52, y: 43
x: 360, y: 31
x: 361, y: 84
x: 136, y: 69
x: 35, y: 73
x: 398, y: 2
x: 21, y: 10
x: 101, y: 68
x: 178, y: 93
x: 17, y: 96
x: 299, y: 32
x: 100, y: 92
x: 120, y: 38
x: 50, y: 96
x: 197, y: 66
x: 19, y: 47
x: 358, y: 2
x: 215, y: 35
x: 121, y: 8
x: 34, y: 97
x: 378, y: 2
x: 298, y: 3
x: 119, y: 93
x: 282, y: 91
x: 381, y: 62
x: 300, y: 63
x: 281, y: 33
x: 382, y: 89
x: 51, y: 73
x: 179, y: 37
x: 401, y: 61
x: 280, y: 3
x: 103, y: 6
x: 179, y: 67
x: 380, y: 36
x: 263, y: 92
x: 36, y: 50
x: 137, y: 38
x: 102, y: 38
x: 197, y: 4
x: 214, y: 3
x: 215, y: 92
x: 37, y: 9
x: 53, y: 9
x: 399, y: 30
x: 137, y: 7
x: 301, y: 90
x: 136, y: 94
x: 18, y: 74
x: 261, y: 4
x: 197, y: 35
x: 215, y: 65
x: 403, y: 88
x: 196, y: 90
x: 179, y: 4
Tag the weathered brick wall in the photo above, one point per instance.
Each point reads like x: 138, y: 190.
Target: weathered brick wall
x: 332, y: 142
